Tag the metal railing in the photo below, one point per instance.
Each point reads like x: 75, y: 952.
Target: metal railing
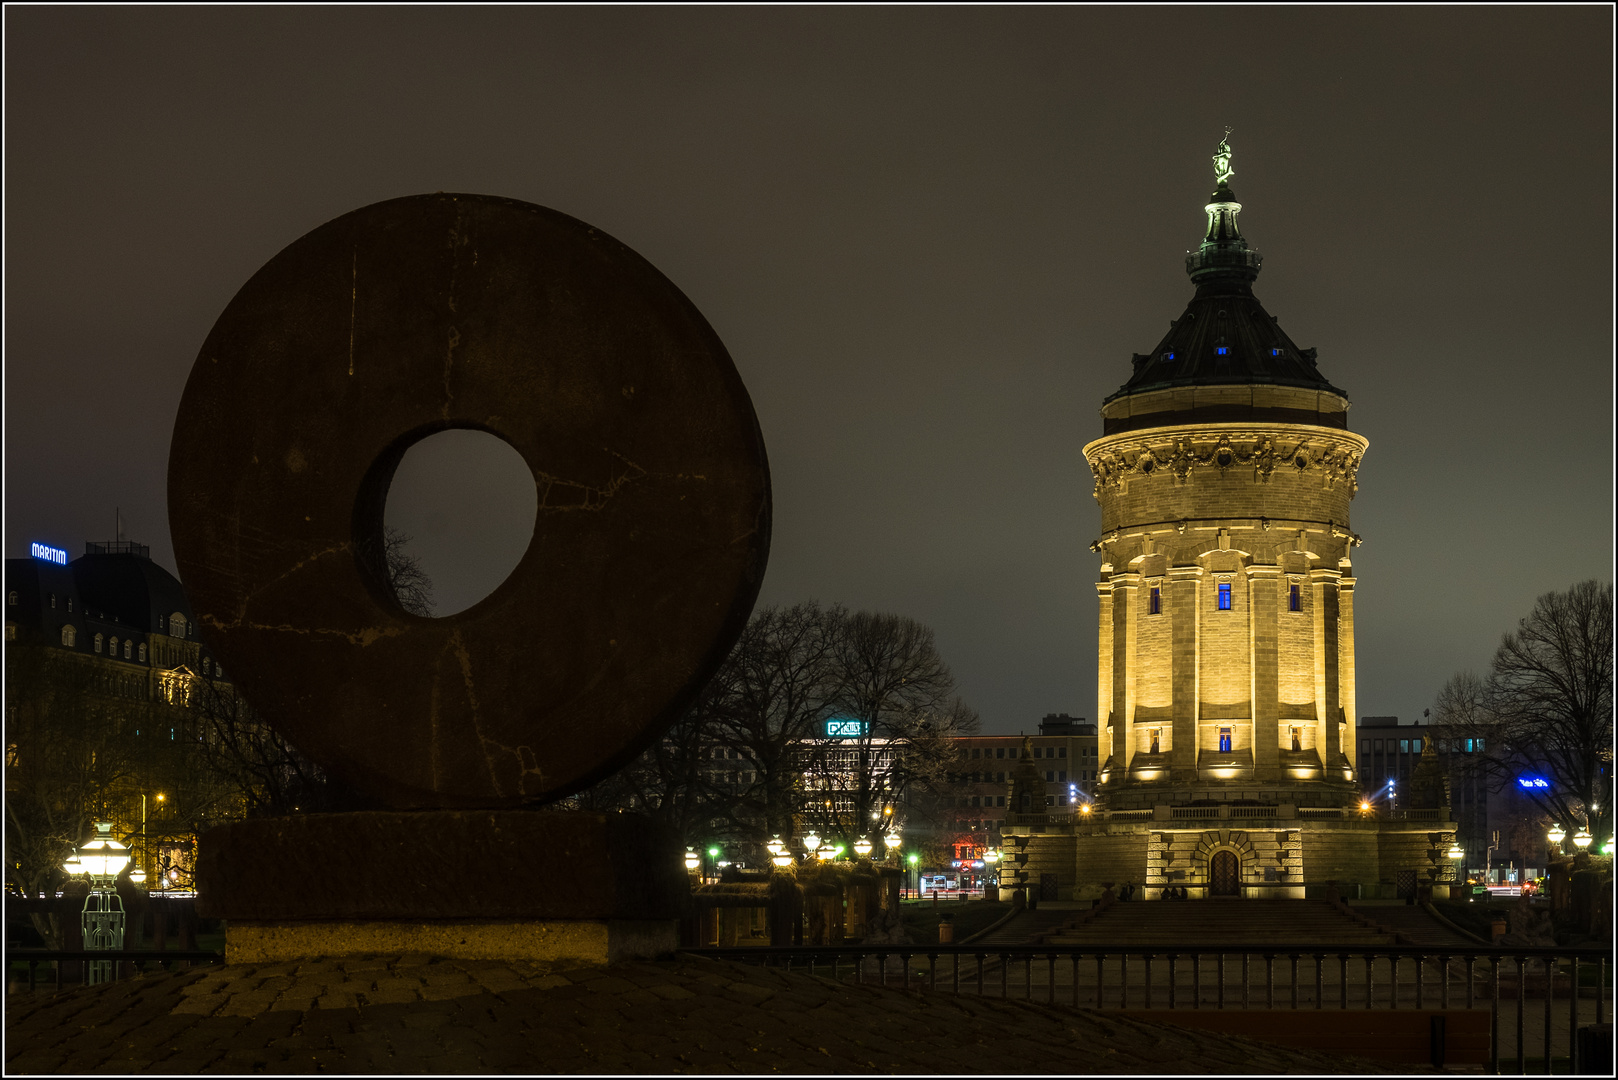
x: 72, y: 965
x: 1195, y: 976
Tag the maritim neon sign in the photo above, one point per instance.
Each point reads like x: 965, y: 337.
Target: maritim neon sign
x: 48, y: 553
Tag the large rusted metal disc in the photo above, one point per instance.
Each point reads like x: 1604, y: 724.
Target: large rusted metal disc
x: 401, y: 320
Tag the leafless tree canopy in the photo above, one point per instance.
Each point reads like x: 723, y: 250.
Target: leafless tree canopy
x: 1545, y: 707
x: 409, y: 582
x: 753, y: 754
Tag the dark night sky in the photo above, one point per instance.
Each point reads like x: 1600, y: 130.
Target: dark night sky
x: 930, y: 238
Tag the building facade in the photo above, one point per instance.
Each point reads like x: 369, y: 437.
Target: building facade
x: 1225, y: 696
x: 103, y: 660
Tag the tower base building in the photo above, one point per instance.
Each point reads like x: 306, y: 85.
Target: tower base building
x: 1225, y: 696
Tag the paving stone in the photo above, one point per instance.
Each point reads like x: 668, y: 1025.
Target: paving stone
x: 677, y: 1016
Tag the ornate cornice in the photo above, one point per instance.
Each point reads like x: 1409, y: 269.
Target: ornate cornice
x: 1331, y: 454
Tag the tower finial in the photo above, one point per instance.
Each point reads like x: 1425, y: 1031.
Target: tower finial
x: 1222, y: 170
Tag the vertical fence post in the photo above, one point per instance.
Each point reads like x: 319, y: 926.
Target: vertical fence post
x: 1522, y: 1007
x: 1549, y: 963
x: 1196, y: 980
x: 1219, y: 970
x: 1573, y: 1015
x: 1494, y: 1014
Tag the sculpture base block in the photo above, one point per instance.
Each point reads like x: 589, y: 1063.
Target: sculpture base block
x: 472, y: 885
x: 574, y: 941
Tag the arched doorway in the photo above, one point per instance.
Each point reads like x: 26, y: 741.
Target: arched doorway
x: 1224, y: 874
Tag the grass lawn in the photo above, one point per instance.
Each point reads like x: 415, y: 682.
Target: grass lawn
x: 921, y: 918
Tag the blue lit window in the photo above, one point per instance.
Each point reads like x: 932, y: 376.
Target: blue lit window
x: 1167, y: 357
x: 1294, y: 600
x: 1275, y: 352
x: 1224, y: 740
x: 1224, y: 596
x: 1222, y: 350
x: 1157, y: 602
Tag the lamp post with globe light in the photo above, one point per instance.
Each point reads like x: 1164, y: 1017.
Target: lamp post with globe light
x: 101, y: 859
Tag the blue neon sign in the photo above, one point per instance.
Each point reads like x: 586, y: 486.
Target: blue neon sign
x: 1533, y: 783
x: 48, y: 553
x: 846, y: 729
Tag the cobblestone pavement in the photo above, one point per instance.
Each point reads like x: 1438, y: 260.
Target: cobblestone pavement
x: 685, y: 1015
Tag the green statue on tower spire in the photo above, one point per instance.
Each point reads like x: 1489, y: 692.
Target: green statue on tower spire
x: 1222, y: 170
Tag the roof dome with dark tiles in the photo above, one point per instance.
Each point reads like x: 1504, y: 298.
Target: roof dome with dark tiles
x: 1224, y: 339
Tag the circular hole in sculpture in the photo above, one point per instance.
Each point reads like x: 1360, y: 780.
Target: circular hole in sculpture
x: 1146, y: 466
x: 1224, y: 459
x: 459, y: 516
x: 1301, y: 462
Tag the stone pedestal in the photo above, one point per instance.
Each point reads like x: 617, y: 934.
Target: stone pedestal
x: 474, y: 885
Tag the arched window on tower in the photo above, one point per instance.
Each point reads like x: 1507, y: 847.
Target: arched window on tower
x: 177, y: 625
x: 99, y: 640
x: 112, y: 648
x: 70, y: 634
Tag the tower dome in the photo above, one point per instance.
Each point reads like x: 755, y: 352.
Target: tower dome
x: 1224, y: 475
x: 1225, y: 357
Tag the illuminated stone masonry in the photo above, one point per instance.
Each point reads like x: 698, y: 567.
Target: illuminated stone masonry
x: 1225, y: 693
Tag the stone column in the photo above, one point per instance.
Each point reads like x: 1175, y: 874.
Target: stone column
x: 1184, y: 611
x: 1124, y: 587
x: 1345, y: 655
x: 1265, y: 584
x: 1104, y: 703
x: 1328, y: 676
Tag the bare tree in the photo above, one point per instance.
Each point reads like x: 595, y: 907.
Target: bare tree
x: 897, y: 718
x: 68, y: 760
x: 836, y: 718
x: 1545, y: 708
x: 778, y: 688
x: 256, y: 768
x: 409, y: 582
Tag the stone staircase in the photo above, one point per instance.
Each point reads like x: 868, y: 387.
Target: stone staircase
x: 1212, y: 922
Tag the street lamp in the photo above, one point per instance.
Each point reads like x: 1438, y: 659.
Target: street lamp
x: 1582, y: 838
x: 826, y: 853
x: 101, y: 859
x: 692, y: 860
x: 891, y: 841
x: 775, y: 846
x: 862, y: 847
x: 811, y: 843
